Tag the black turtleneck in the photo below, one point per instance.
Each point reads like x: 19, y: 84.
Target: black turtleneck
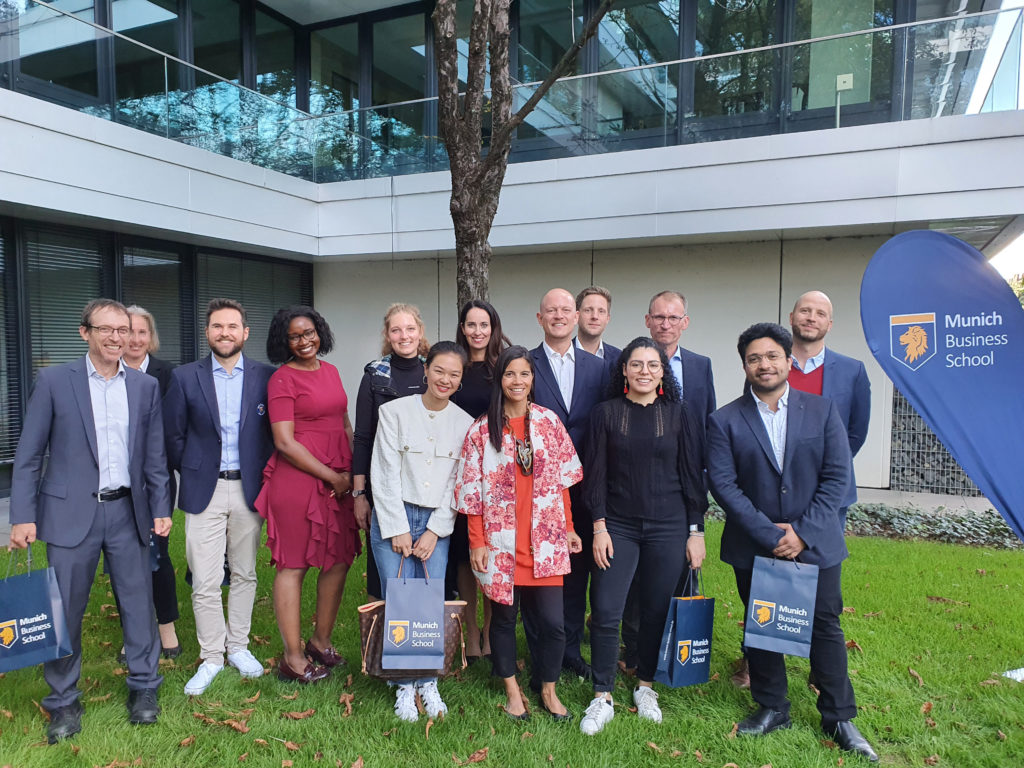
x: 374, y: 391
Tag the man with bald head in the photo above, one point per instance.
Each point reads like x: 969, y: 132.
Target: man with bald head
x: 569, y: 381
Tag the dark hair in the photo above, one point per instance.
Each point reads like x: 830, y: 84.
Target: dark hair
x: 496, y: 411
x: 498, y: 341
x: 218, y: 304
x: 668, y: 379
x: 97, y: 304
x: 772, y: 331
x: 447, y: 348
x: 278, y: 351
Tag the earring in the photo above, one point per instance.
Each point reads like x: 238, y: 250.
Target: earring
x: 460, y: 387
x: 625, y: 388
x: 424, y: 378
x: 661, y: 389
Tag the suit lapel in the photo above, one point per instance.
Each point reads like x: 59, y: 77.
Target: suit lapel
x: 794, y: 424
x: 133, y: 386
x: 827, y: 375
x: 579, y: 376
x: 546, y: 378
x: 80, y: 386
x: 248, y: 380
x: 750, y: 413
x: 204, y: 372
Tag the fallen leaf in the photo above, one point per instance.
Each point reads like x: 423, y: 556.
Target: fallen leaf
x: 1001, y: 735
x: 292, y: 746
x: 981, y: 571
x: 430, y: 724
x: 732, y: 733
x: 346, y: 701
x: 520, y: 665
x: 933, y: 760
x: 926, y: 708
x: 254, y: 699
x: 456, y: 760
x: 298, y: 715
x: 654, y: 746
x: 913, y: 674
x: 632, y: 710
x: 730, y: 765
x: 699, y: 755
x: 871, y: 615
x: 261, y: 742
x: 714, y: 677
x: 527, y: 735
x: 929, y: 722
x: 358, y: 762
x: 259, y: 640
x: 937, y: 599
x: 290, y: 696
x: 7, y: 713
x: 75, y: 749
x: 829, y: 744
x: 318, y: 755
x: 118, y: 672
x: 854, y: 645
x: 205, y: 718
x: 478, y: 757
x: 187, y: 742
x: 43, y: 712
x: 242, y: 757
x: 348, y: 681
x: 989, y: 682
x: 287, y: 764
x: 100, y: 698
x: 849, y: 609
x: 675, y: 753
x: 238, y: 725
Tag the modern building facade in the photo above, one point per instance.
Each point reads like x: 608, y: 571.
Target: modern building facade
x: 288, y: 151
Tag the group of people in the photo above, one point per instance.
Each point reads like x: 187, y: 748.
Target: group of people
x: 542, y: 476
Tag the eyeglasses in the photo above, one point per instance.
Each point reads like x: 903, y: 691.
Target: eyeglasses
x: 670, y: 319
x: 307, y: 335
x: 654, y: 366
x: 106, y: 330
x: 772, y: 357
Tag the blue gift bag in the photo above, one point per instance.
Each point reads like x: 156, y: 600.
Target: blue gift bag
x: 32, y: 625
x: 414, y: 623
x: 780, y: 612
x: 685, y: 652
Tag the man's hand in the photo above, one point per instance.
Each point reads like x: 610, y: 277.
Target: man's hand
x: 790, y: 545
x: 161, y: 526
x: 22, y: 535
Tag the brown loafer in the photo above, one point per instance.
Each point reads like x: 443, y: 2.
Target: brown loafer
x: 328, y: 656
x: 311, y: 674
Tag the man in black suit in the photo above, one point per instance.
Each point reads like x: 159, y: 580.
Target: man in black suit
x: 570, y: 382
x: 779, y: 463
x: 594, y: 304
x: 666, y: 319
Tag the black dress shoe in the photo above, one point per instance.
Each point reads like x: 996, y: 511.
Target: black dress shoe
x: 313, y: 673
x: 578, y: 667
x: 846, y: 735
x: 558, y: 718
x: 763, y: 721
x: 65, y: 722
x: 142, y: 706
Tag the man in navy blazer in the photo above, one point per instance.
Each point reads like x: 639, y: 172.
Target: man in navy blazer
x: 104, y: 488
x: 219, y: 440
x: 825, y: 372
x: 570, y: 382
x: 594, y: 305
x: 778, y: 463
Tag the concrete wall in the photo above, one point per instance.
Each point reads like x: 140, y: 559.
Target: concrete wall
x: 728, y: 287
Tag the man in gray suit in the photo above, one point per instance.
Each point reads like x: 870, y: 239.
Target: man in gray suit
x: 105, y: 487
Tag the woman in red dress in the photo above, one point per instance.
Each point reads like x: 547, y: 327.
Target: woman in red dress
x: 305, y: 497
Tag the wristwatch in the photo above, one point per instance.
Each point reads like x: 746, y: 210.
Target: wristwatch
x: 357, y: 494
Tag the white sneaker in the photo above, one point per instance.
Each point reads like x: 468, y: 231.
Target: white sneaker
x: 432, y: 699
x: 597, y: 716
x: 245, y: 663
x: 202, y: 678
x: 405, y: 703
x: 646, y: 701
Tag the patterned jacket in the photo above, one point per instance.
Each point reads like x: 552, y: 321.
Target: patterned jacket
x: 486, y: 485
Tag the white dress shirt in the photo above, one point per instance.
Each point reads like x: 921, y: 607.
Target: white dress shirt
x: 564, y: 368
x: 109, y: 399
x: 775, y: 423
x: 812, y: 364
x: 600, y: 347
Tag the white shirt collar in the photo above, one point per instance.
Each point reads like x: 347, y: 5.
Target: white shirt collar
x: 91, y: 369
x: 762, y: 405
x: 570, y: 353
x: 240, y: 365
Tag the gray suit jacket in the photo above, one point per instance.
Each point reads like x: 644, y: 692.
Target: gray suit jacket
x: 59, y: 499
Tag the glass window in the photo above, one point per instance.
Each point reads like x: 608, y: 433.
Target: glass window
x: 9, y: 413
x: 334, y: 69
x: 217, y: 35
x: 275, y: 58
x: 59, y: 50
x: 546, y: 29
x: 399, y: 64
x: 151, y: 278
x: 140, y: 74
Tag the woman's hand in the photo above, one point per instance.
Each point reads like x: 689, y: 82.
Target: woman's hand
x: 424, y: 546
x: 361, y: 508
x: 341, y: 484
x: 478, y: 559
x: 603, y: 550
x: 695, y: 551
x: 402, y: 544
x: 575, y: 542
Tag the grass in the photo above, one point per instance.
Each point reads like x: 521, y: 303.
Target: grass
x: 952, y: 614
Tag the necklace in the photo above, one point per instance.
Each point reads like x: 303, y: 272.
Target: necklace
x: 524, y: 448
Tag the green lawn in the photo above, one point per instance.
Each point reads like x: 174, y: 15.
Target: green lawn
x: 950, y: 614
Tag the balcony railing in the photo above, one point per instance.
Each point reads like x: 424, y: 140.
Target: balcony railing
x: 959, y: 65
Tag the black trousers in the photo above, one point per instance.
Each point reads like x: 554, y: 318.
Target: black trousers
x: 652, y: 551
x: 768, y: 683
x: 165, y: 589
x: 575, y: 583
x: 542, y: 620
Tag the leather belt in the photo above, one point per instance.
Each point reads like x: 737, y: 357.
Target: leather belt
x: 230, y: 474
x: 114, y: 495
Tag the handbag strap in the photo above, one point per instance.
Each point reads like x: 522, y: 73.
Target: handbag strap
x: 697, y: 581
x: 14, y: 559
x: 426, y: 573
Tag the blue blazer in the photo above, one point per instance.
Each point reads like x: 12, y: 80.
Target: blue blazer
x: 589, y: 388
x: 59, y: 417
x: 845, y: 383
x: 698, y: 384
x: 755, y: 495
x: 192, y: 426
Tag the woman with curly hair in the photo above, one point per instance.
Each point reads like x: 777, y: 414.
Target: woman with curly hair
x: 642, y: 483
x: 305, y: 496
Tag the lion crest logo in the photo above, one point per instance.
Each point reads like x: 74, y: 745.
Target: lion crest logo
x: 683, y: 651
x: 398, y: 633
x: 8, y: 633
x: 912, y: 338
x: 762, y: 612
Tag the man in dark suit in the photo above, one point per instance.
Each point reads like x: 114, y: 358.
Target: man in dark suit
x: 594, y: 305
x: 779, y: 464
x: 666, y: 319
x: 104, y: 488
x: 219, y: 440
x: 570, y: 382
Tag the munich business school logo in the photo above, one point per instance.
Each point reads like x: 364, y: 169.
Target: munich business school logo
x: 762, y: 612
x: 8, y: 633
x: 398, y: 632
x: 912, y: 338
x: 683, y: 651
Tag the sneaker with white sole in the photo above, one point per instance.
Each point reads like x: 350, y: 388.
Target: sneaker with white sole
x: 597, y: 716
x: 432, y: 701
x: 202, y: 678
x: 405, y: 703
x: 246, y: 664
x: 646, y: 700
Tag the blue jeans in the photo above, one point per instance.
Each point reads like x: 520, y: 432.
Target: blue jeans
x: 388, y: 560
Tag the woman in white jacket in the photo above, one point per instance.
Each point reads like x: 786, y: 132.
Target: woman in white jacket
x: 415, y: 457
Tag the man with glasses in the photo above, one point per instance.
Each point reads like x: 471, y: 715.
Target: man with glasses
x: 218, y: 438
x: 105, y: 488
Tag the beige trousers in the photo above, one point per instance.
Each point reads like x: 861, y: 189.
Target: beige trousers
x: 226, y: 525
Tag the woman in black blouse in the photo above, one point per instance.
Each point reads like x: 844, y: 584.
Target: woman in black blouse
x: 479, y: 333
x: 642, y: 482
